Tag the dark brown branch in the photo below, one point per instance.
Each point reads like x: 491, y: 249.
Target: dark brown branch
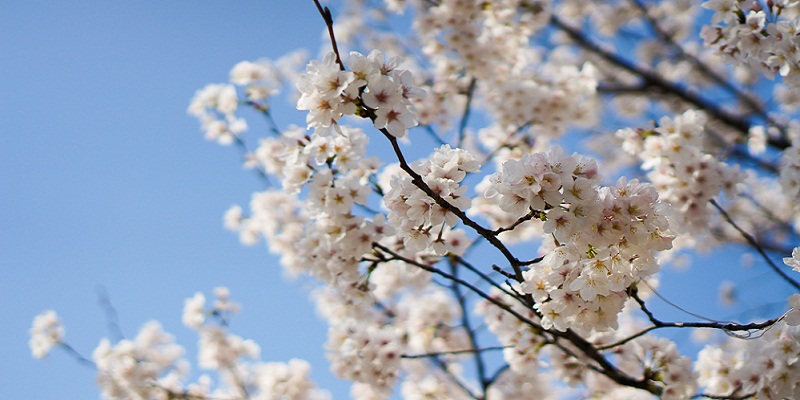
x: 326, y: 15
x: 502, y: 272
x: 489, y: 280
x: 605, y: 367
x: 627, y: 339
x: 534, y: 261
x: 527, y: 217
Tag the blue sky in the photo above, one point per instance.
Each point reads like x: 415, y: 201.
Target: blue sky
x: 108, y: 183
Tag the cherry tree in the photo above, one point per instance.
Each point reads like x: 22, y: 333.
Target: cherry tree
x: 462, y: 249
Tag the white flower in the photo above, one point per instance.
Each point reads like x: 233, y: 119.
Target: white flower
x: 793, y: 316
x: 223, y: 303
x: 233, y: 218
x: 794, y: 260
x: 383, y: 92
x: 138, y: 368
x: 396, y: 120
x: 46, y: 332
x: 194, y: 313
x: 220, y: 350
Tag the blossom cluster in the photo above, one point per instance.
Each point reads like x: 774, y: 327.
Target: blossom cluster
x: 149, y: 364
x: 686, y: 176
x: 603, y: 238
x: 526, y: 351
x: 766, y: 367
x: 374, y: 88
x: 152, y: 365
x: 765, y: 38
x: 366, y: 354
x: 487, y: 43
x: 419, y: 219
x: 335, y: 174
x: 659, y: 357
x: 45, y: 333
x: 524, y: 344
x: 216, y: 104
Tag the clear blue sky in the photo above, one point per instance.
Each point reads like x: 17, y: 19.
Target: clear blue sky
x: 107, y: 182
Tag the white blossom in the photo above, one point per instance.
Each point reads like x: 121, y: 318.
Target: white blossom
x: 45, y: 333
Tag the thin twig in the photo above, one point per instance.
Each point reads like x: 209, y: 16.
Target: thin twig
x: 76, y: 355
x: 489, y: 280
x: 462, y: 125
x: 455, y: 352
x: 527, y: 217
x: 435, y: 136
x: 455, y: 379
x: 728, y: 327
x: 264, y: 110
x: 502, y: 272
x: 627, y: 339
x: 718, y: 397
x: 499, y: 372
x: 754, y: 243
x: 246, y: 156
x: 473, y: 340
x: 112, y: 320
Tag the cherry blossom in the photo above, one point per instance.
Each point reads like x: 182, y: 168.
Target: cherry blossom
x: 46, y: 332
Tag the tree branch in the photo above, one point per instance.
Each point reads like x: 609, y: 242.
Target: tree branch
x: 657, y: 82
